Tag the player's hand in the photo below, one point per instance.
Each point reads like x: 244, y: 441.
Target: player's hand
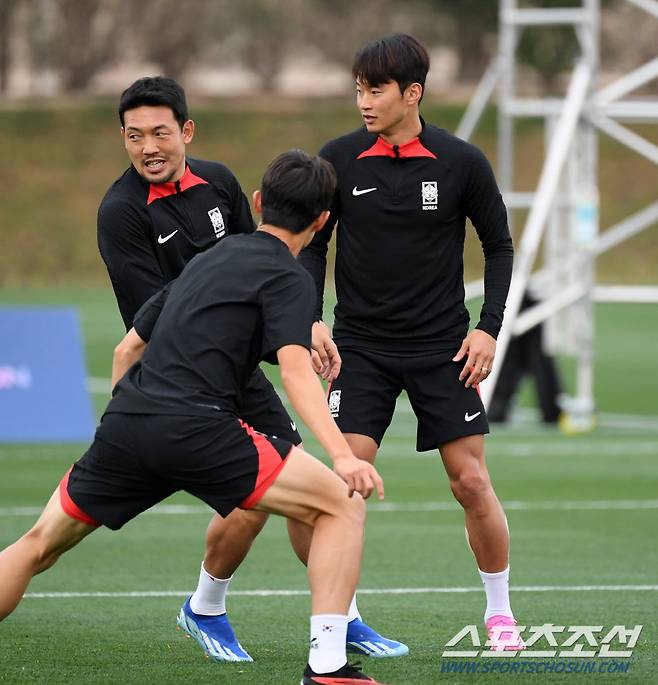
x: 325, y: 357
x: 318, y: 367
x: 360, y: 476
x: 479, y: 348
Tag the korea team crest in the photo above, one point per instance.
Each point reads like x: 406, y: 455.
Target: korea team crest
x: 217, y: 221
x: 334, y: 402
x: 430, y: 194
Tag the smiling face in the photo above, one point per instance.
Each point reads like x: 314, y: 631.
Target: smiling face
x: 156, y: 143
x: 388, y: 112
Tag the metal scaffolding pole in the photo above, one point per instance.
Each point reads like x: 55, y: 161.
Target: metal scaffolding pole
x: 564, y: 206
x: 525, y: 257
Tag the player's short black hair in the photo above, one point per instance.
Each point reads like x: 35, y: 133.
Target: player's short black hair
x: 400, y: 58
x: 296, y: 189
x: 155, y: 91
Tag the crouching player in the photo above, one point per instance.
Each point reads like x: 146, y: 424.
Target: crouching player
x: 172, y: 422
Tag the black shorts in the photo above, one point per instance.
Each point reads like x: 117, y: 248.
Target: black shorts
x: 362, y: 398
x: 262, y: 408
x: 137, y: 460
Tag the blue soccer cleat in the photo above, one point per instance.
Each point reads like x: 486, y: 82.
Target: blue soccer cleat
x: 362, y: 639
x: 213, y: 633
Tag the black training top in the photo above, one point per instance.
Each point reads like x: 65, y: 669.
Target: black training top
x: 231, y: 307
x: 148, y: 232
x: 401, y: 214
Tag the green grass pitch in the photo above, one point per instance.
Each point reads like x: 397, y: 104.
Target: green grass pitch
x: 583, y: 513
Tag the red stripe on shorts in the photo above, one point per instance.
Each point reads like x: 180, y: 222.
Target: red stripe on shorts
x: 70, y: 507
x: 269, y: 465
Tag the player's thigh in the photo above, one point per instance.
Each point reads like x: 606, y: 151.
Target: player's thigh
x: 305, y: 488
x: 464, y: 457
x: 362, y: 398
x: 261, y: 407
x: 363, y: 446
x: 56, y: 531
x: 446, y: 410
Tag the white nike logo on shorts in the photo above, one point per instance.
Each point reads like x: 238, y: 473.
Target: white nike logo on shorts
x: 293, y: 425
x: 469, y: 417
x: 162, y: 240
x: 356, y: 192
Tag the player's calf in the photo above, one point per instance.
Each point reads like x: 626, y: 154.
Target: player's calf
x: 228, y: 540
x: 309, y: 492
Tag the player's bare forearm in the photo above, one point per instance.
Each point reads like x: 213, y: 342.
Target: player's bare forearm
x: 307, y: 398
x: 126, y: 353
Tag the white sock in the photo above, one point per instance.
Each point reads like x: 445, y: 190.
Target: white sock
x: 496, y: 585
x: 328, y: 634
x: 353, y: 611
x: 209, y: 598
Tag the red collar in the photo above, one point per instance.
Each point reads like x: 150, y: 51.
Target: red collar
x: 414, y: 148
x: 160, y: 190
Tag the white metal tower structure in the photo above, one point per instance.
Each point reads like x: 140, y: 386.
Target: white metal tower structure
x: 564, y: 207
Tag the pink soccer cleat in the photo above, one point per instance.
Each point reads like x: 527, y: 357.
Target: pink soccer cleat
x: 504, y: 640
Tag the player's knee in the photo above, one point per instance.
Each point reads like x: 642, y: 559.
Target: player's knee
x: 350, y: 511
x: 356, y: 510
x: 471, y: 488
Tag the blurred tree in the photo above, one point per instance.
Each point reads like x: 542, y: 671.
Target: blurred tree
x: 7, y: 8
x: 83, y: 38
x: 474, y: 23
x: 549, y: 51
x: 339, y: 27
x: 270, y: 30
x: 628, y: 38
x: 174, y: 34
x: 77, y: 38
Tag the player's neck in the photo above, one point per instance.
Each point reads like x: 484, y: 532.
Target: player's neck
x: 409, y: 128
x: 295, y: 242
x: 180, y: 172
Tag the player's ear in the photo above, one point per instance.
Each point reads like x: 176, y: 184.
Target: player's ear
x: 188, y: 131
x: 414, y: 93
x: 320, y: 221
x: 258, y: 202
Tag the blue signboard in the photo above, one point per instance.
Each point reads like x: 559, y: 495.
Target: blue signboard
x: 43, y: 394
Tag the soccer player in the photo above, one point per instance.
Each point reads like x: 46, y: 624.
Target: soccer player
x: 163, y: 210
x: 173, y: 422
x: 404, y: 190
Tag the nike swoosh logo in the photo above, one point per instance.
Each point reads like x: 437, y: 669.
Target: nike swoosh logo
x: 293, y: 425
x: 356, y: 192
x: 162, y: 240
x: 468, y: 417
